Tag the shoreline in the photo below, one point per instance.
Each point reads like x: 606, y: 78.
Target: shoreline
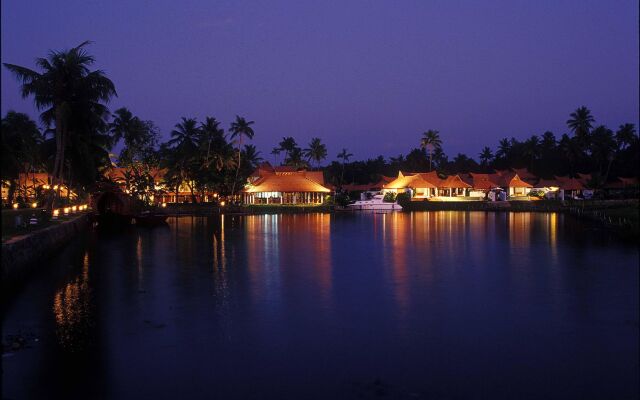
x: 25, y: 254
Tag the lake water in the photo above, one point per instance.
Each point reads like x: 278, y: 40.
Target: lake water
x: 432, y: 305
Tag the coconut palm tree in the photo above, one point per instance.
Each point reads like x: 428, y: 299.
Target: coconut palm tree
x: 239, y: 128
x: 430, y: 140
x: 296, y: 159
x: 276, y: 152
x: 288, y: 144
x: 345, y: 156
x: 581, y: 122
x: 64, y: 89
x: 210, y: 135
x: 626, y: 135
x: 251, y: 156
x: 486, y: 155
x: 317, y: 151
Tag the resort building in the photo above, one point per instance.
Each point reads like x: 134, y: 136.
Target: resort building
x: 162, y: 192
x: 511, y: 182
x: 428, y: 185
x: 284, y: 185
x: 31, y: 186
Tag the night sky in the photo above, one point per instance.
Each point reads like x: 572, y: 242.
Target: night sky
x: 369, y: 76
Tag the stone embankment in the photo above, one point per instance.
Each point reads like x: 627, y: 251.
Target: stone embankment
x: 21, y: 255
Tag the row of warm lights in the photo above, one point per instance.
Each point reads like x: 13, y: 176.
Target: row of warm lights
x: 67, y: 210
x: 16, y: 205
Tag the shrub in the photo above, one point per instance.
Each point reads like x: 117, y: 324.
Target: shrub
x: 389, y: 197
x: 403, y: 199
x: 342, y: 199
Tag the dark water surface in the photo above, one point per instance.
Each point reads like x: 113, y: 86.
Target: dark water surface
x: 433, y: 305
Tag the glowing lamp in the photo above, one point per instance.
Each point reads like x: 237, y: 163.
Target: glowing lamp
x: 222, y: 203
x: 74, y: 209
x: 164, y: 205
x: 56, y: 213
x: 34, y: 205
x: 66, y: 211
x: 15, y: 206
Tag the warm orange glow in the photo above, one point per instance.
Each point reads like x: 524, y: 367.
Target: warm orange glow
x: 222, y: 203
x: 56, y: 213
x: 55, y: 187
x: 74, y: 209
x: 164, y: 205
x: 66, y: 210
x: 34, y: 205
x: 15, y: 206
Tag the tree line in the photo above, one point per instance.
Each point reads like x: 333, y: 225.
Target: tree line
x: 79, y: 134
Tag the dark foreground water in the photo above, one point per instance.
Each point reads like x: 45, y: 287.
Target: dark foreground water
x: 434, y: 305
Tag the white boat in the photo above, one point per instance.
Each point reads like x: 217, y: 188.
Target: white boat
x: 374, y: 201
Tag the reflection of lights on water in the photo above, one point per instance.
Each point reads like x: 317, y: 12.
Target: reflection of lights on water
x: 72, y: 309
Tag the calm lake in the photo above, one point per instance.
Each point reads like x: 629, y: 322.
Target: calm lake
x: 431, y: 305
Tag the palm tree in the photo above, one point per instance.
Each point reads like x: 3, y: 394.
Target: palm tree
x: 288, y: 144
x: 430, y: 140
x: 345, y: 156
x: 504, y: 149
x: 210, y: 133
x: 122, y: 126
x: 626, y: 135
x: 251, y: 156
x: 486, y: 155
x: 317, y: 151
x: 296, y: 159
x: 65, y: 90
x: 531, y: 150
x: 183, y: 143
x: 239, y: 128
x: 581, y: 122
x: 276, y: 152
x: 185, y: 133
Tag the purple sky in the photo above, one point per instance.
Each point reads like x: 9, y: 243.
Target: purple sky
x: 369, y: 76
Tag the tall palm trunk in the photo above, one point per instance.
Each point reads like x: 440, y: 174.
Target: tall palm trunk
x: 55, y: 181
x: 430, y: 160
x: 233, y: 187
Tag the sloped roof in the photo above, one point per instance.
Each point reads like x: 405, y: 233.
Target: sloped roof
x: 622, y: 183
x: 542, y: 183
x: 483, y: 181
x: 584, y: 178
x: 571, y: 184
x: 295, y: 182
x: 455, y: 182
x: 41, y: 178
x: 524, y: 174
x: 509, y: 179
x: 414, y: 180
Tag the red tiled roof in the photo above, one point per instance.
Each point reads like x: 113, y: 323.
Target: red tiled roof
x: 454, y: 181
x: 286, y: 180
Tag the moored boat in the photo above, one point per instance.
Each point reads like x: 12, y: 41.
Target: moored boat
x: 374, y: 201
x: 149, y: 219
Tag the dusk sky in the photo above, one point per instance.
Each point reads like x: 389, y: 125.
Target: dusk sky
x: 368, y: 76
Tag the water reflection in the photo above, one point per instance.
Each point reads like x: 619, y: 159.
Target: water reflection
x: 302, y: 240
x: 300, y: 302
x: 72, y: 308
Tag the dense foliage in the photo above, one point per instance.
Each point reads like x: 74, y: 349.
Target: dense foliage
x: 78, y: 135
